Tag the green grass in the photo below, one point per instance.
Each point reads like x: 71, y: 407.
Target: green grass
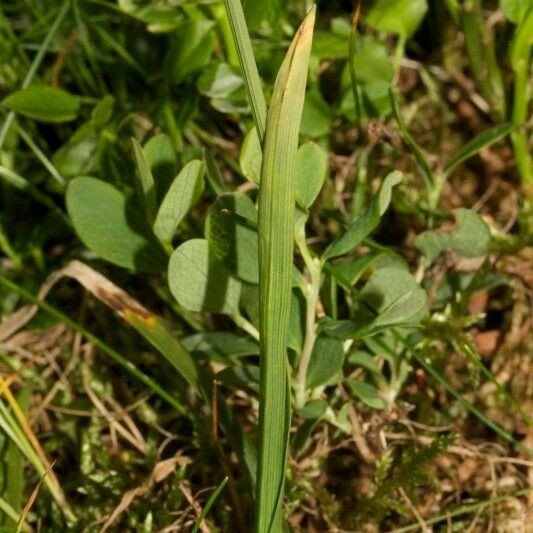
x: 265, y: 237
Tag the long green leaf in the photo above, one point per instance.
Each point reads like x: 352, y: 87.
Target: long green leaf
x: 246, y: 58
x: 480, y: 141
x: 276, y: 237
x: 367, y: 221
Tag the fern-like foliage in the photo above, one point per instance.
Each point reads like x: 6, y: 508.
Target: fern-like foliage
x: 408, y: 472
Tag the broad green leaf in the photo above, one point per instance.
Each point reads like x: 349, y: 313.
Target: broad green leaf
x: 251, y: 156
x: 391, y: 298
x: 260, y: 11
x: 396, y: 296
x: 475, y: 145
x: 112, y: 226
x: 276, y: 243
x: 232, y: 240
x: 180, y: 198
x: 471, y: 238
x: 311, y: 169
x: 401, y: 17
x: 366, y: 222
x: 313, y: 409
x: 144, y: 183
x: 515, y: 10
x: 219, y: 80
x: 43, y: 103
x: 199, y: 282
x: 162, y: 160
x: 224, y: 86
x: 190, y: 49
x: 367, y: 393
x: 326, y: 362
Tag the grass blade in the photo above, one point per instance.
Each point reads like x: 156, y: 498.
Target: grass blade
x: 427, y: 175
x: 209, y: 504
x: 245, y: 50
x: 276, y: 239
x: 480, y: 141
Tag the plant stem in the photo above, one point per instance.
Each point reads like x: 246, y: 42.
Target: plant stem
x: 245, y: 325
x: 314, y: 268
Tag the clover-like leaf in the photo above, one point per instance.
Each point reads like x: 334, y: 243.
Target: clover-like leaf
x: 230, y: 236
x: 199, y: 282
x: 180, y: 198
x: 112, y: 226
x: 471, y: 237
x: 326, y: 361
x: 311, y: 169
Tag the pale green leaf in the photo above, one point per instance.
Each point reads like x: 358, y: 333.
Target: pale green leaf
x: 367, y: 221
x: 144, y: 183
x: 326, y: 362
x: 367, y: 393
x: 311, y: 169
x: 276, y: 241
x: 44, y: 103
x: 471, y: 237
x: 251, y: 156
x: 313, y: 409
x: 199, y: 282
x: 401, y: 17
x: 180, y: 198
x: 112, y: 226
x: 163, y: 162
x: 230, y: 236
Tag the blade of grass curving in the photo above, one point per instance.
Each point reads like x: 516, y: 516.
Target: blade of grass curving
x: 276, y: 240
x: 245, y: 50
x: 113, y: 354
x: 40, y: 155
x: 432, y: 371
x: 209, y: 504
x: 427, y: 175
x: 35, y: 65
x: 480, y: 141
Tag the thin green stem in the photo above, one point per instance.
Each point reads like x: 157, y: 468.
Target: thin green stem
x: 35, y: 65
x: 40, y: 155
x: 245, y: 50
x: 245, y: 325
